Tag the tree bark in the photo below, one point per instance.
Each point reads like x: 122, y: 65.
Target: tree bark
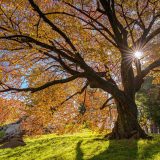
x: 127, y: 125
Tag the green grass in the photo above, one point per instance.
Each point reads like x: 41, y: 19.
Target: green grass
x: 83, y: 146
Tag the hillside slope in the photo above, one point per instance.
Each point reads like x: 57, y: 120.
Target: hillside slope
x: 83, y: 146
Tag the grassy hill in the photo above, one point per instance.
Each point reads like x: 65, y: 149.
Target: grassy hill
x: 83, y: 146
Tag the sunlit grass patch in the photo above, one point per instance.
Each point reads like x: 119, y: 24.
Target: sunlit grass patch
x: 83, y: 146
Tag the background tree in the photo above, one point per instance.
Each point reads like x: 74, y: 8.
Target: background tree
x: 149, y: 106
x: 11, y: 110
x: 80, y: 39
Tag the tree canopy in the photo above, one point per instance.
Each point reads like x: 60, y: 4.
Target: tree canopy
x: 90, y: 40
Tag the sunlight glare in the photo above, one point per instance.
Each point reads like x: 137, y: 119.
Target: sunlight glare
x: 138, y: 54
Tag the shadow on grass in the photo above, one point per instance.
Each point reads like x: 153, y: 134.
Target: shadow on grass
x: 119, y: 150
x: 79, y: 153
x: 150, y: 151
x: 129, y: 150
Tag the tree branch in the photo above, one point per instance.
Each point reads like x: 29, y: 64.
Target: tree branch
x: 105, y: 103
x: 79, y: 92
x: 53, y: 26
x: 139, y: 78
x: 150, y: 67
x: 46, y: 85
x: 25, y: 39
x: 152, y: 35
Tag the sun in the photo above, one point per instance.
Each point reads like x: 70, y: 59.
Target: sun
x: 138, y: 54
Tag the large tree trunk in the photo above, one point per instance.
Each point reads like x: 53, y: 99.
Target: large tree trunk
x: 127, y: 125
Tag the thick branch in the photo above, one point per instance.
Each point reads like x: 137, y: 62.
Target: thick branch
x: 119, y: 31
x: 139, y: 78
x: 46, y: 85
x: 152, y: 35
x: 145, y: 38
x: 150, y: 67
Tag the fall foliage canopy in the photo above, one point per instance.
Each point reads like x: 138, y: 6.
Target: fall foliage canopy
x: 91, y: 43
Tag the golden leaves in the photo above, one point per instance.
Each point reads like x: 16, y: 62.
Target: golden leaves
x: 156, y: 76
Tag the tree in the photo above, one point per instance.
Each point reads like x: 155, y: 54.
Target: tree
x: 11, y: 110
x: 149, y: 105
x: 80, y: 40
